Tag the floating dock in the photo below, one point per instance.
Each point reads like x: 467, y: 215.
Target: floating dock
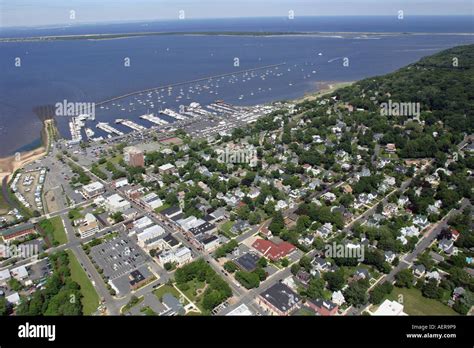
x: 108, y: 129
x: 153, y: 119
x: 130, y: 124
x: 174, y: 114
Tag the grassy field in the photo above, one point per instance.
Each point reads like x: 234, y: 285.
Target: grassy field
x: 90, y: 299
x: 54, y: 230
x: 4, y: 207
x: 416, y: 304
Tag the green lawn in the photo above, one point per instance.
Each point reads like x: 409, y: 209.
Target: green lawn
x: 54, y: 230
x: 225, y: 229
x: 75, y: 214
x: 191, y: 293
x: 415, y: 304
x: 90, y: 299
x: 163, y: 207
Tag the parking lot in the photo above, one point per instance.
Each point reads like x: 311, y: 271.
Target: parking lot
x: 118, y: 257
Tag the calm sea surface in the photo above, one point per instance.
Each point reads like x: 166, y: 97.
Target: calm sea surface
x: 95, y: 70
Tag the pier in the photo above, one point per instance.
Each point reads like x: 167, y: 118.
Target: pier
x: 153, y: 119
x: 130, y: 124
x: 108, y: 129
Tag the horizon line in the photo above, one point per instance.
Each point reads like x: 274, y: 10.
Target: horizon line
x: 109, y: 22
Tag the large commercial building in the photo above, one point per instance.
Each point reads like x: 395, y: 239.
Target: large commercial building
x: 134, y: 157
x: 92, y: 190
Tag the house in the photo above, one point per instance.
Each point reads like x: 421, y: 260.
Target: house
x: 419, y: 270
x: 421, y: 221
x: 281, y: 204
x: 166, y: 168
x: 323, y: 307
x: 392, y: 308
x: 391, y: 148
x: 239, y: 226
x: 325, y: 230
x: 272, y: 250
x: 329, y: 197
x: 446, y: 245
x: 410, y: 231
x: 390, y: 209
x: 361, y: 273
x: 403, y: 200
x: 219, y: 214
x: 389, y: 256
x: 320, y: 264
x: 338, y: 298
x: 279, y: 299
x: 433, y: 275
x: 303, y: 276
x: 458, y: 292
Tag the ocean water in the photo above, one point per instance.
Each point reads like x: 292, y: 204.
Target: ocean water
x: 95, y: 70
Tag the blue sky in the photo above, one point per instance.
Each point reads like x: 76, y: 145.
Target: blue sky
x: 52, y: 12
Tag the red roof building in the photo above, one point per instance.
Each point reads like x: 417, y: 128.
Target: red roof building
x: 272, y: 250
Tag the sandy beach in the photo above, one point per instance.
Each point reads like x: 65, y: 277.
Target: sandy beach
x: 8, y: 165
x: 324, y: 88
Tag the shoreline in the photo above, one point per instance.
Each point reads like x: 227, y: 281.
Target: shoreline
x: 323, y: 88
x: 10, y: 164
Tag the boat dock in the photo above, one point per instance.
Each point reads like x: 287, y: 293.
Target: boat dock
x: 171, y: 113
x: 108, y: 129
x: 130, y: 124
x: 75, y: 126
x: 153, y: 119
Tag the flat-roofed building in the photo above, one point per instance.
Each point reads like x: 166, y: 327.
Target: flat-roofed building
x: 92, y: 190
x: 279, y: 299
x: 116, y: 204
x: 149, y: 233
